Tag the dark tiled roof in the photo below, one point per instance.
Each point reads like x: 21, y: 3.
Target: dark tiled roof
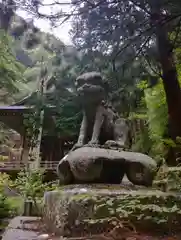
x: 14, y: 107
x: 21, y: 107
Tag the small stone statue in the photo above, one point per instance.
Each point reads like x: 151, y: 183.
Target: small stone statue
x: 100, y: 124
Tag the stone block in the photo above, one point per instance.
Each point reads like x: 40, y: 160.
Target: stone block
x: 78, y: 210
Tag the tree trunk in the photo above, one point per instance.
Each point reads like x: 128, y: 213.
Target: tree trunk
x: 169, y: 72
x: 170, y: 82
x: 6, y: 14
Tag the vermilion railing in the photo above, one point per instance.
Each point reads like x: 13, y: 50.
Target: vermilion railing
x: 14, y: 165
x: 48, y: 165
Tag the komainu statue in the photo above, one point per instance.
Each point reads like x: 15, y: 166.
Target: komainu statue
x: 100, y: 123
x: 99, y: 155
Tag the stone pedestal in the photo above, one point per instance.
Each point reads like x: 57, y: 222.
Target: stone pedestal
x: 79, y: 210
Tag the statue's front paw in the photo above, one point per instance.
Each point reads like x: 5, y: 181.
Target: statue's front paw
x: 76, y: 146
x: 113, y: 144
x: 93, y: 144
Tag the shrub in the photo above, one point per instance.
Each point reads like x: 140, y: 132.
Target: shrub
x: 4, y: 207
x: 30, y: 186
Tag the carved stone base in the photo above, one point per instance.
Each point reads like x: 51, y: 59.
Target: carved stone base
x: 79, y: 210
x: 99, y: 165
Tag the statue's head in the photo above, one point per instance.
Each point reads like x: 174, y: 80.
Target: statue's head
x: 90, y: 86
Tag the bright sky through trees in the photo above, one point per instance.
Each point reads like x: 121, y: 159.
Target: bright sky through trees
x: 62, y: 31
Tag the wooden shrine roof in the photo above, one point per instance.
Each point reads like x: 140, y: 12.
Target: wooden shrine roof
x: 14, y: 107
x: 12, y: 116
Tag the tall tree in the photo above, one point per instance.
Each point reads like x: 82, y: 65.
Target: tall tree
x: 169, y: 72
x: 116, y: 25
x: 7, y: 9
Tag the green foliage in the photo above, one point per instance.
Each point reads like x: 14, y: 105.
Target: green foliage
x: 4, y: 207
x: 157, y: 111
x: 157, y: 115
x: 30, y: 184
x: 168, y: 178
x: 148, y: 208
x: 31, y: 74
x: 143, y: 142
x: 16, y: 205
x: 68, y: 118
x: 155, y: 138
x: 100, y: 28
x: 32, y: 123
x: 5, y: 181
x: 11, y: 71
x: 7, y: 207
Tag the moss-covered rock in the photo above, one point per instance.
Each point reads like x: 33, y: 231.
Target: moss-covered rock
x: 75, y: 210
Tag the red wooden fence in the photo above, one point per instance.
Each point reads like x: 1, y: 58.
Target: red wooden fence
x: 11, y: 165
